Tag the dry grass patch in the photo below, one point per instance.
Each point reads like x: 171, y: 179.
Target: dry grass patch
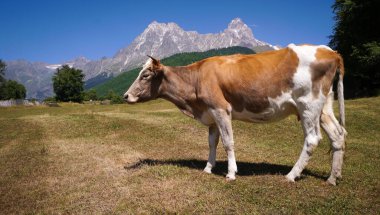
x: 148, y: 158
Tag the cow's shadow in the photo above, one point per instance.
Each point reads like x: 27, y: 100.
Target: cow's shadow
x: 245, y: 168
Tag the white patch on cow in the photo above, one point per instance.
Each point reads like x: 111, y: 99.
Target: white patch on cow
x: 213, y: 139
x: 302, y: 77
x: 249, y: 116
x: 206, y: 119
x: 132, y: 98
x: 279, y: 108
x: 223, y: 121
x: 147, y: 64
x: 283, y: 106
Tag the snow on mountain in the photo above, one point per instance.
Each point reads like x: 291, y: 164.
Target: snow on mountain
x: 161, y: 40
x: 164, y: 39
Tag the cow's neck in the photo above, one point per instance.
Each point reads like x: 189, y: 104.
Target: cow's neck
x: 178, y: 87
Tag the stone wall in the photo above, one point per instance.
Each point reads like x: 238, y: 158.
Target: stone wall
x: 14, y: 102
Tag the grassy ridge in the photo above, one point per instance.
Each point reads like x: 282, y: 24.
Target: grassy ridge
x: 122, y: 82
x: 148, y: 158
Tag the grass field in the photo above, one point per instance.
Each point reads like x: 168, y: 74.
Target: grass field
x: 148, y: 158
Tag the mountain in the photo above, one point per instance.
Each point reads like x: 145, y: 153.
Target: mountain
x: 121, y: 83
x: 158, y: 39
x: 36, y: 77
x: 162, y: 40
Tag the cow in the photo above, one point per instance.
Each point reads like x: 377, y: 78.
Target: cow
x: 262, y: 87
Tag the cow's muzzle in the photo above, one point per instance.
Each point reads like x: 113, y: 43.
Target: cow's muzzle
x: 130, y: 99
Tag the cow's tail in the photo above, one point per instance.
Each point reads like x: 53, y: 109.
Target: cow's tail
x: 342, y: 117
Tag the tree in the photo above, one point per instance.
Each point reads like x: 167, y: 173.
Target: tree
x: 12, y: 90
x: 68, y: 84
x: 90, y: 95
x: 115, y: 98
x: 2, y: 72
x: 355, y: 37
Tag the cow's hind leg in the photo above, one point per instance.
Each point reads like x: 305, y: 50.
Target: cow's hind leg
x: 310, y: 114
x: 223, y: 120
x: 336, y: 134
x: 213, y: 139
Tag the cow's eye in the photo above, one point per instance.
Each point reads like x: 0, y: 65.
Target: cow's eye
x: 145, y: 76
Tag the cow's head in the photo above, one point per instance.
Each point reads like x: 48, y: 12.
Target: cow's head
x: 147, y: 84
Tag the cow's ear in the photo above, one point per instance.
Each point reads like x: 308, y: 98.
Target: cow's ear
x: 154, y: 61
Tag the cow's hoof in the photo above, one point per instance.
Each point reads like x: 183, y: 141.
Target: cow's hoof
x: 331, y: 180
x: 207, y: 170
x: 230, y: 177
x: 289, y: 178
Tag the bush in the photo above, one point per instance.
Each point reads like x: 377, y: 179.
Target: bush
x: 115, y: 99
x: 50, y: 99
x: 12, y: 90
x: 90, y: 95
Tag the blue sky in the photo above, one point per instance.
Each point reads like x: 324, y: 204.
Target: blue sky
x: 54, y: 31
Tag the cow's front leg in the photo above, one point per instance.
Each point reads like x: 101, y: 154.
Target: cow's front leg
x: 223, y: 121
x: 213, y: 139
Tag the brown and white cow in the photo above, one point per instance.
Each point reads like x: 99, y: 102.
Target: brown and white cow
x: 256, y: 88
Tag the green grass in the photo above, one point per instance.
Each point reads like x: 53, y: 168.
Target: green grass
x: 148, y: 158
x: 121, y: 83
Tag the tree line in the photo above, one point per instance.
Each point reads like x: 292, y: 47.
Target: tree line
x: 68, y: 86
x: 357, y: 38
x: 10, y: 89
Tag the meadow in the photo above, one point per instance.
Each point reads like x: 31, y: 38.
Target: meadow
x: 148, y: 159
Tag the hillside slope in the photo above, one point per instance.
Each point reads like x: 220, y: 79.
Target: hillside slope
x: 122, y: 82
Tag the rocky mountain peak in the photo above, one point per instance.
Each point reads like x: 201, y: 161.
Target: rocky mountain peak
x: 239, y: 29
x: 162, y: 27
x: 236, y: 23
x: 82, y: 59
x: 79, y: 60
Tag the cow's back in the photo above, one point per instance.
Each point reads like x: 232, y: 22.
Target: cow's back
x: 263, y: 84
x: 247, y: 81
